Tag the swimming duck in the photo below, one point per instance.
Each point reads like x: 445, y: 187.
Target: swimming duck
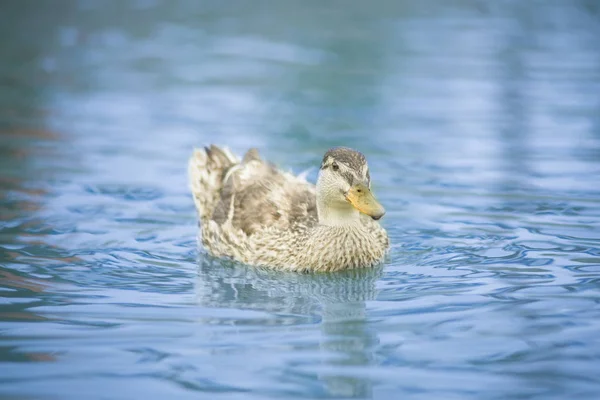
x: 257, y: 214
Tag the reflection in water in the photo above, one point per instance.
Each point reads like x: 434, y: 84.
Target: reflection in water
x: 347, y: 335
x: 335, y: 301
x: 512, y: 83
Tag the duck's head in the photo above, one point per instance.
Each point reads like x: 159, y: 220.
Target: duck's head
x: 344, y: 188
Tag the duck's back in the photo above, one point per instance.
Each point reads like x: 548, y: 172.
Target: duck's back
x: 250, y: 195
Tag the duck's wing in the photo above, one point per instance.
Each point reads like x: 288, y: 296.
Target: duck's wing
x: 252, y: 194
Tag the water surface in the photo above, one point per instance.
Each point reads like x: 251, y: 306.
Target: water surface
x: 481, y: 125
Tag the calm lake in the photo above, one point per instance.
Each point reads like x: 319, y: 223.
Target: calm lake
x: 481, y: 124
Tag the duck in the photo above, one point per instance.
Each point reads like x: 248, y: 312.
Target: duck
x: 255, y: 213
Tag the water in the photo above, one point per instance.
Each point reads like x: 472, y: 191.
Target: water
x: 481, y: 124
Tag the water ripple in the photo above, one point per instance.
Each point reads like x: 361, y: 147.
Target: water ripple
x: 480, y: 124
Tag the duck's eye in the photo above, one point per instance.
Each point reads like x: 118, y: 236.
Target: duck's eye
x: 335, y: 167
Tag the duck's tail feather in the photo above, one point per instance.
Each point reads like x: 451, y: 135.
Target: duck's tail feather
x: 206, y: 169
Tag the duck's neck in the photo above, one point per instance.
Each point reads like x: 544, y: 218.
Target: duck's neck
x: 342, y: 215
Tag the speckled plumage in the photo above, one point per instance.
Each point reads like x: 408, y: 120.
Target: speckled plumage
x: 254, y: 213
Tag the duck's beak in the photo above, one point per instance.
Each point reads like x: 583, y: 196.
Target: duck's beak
x: 362, y: 199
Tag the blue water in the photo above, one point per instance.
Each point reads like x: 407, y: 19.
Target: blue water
x: 481, y: 124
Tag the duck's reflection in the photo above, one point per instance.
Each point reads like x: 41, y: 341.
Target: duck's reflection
x: 337, y: 301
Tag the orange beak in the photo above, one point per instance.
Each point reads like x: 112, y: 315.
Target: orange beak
x: 361, y: 197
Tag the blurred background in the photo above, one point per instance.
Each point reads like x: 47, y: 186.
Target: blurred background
x: 481, y: 124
